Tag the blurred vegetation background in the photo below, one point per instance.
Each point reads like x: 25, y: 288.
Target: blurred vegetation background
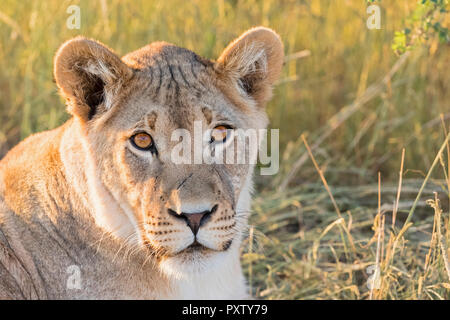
x: 332, y: 91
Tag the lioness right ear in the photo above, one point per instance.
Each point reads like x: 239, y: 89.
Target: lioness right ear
x: 253, y: 63
x: 88, y: 74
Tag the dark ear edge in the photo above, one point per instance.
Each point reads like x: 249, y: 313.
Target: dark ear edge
x: 86, y: 73
x: 254, y: 62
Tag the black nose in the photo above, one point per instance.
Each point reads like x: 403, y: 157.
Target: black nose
x: 194, y: 220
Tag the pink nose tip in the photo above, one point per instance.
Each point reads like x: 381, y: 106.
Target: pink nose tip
x: 194, y: 220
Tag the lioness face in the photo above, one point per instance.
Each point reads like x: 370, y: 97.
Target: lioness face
x: 138, y: 157
x: 133, y: 111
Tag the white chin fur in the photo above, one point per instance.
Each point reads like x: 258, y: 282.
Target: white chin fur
x: 187, y: 266
x: 215, y: 276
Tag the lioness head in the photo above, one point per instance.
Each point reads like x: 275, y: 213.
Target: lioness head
x: 128, y: 110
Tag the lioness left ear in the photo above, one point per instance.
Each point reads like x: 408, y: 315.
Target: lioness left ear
x: 88, y: 75
x: 253, y: 63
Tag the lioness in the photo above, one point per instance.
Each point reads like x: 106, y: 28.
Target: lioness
x: 97, y: 209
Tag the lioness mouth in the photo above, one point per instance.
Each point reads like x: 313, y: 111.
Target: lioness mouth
x: 196, y: 245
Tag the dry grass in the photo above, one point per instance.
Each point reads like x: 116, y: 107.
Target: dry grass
x: 343, y: 91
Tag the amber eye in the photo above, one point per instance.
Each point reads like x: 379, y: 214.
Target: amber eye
x: 219, y: 133
x: 142, y: 141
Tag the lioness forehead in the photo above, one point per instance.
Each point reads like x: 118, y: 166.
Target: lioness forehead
x: 169, y: 69
x: 172, y: 84
x: 167, y: 53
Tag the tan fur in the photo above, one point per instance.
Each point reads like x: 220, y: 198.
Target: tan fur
x: 81, y: 195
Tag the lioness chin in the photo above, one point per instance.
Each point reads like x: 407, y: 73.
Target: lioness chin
x: 98, y: 209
